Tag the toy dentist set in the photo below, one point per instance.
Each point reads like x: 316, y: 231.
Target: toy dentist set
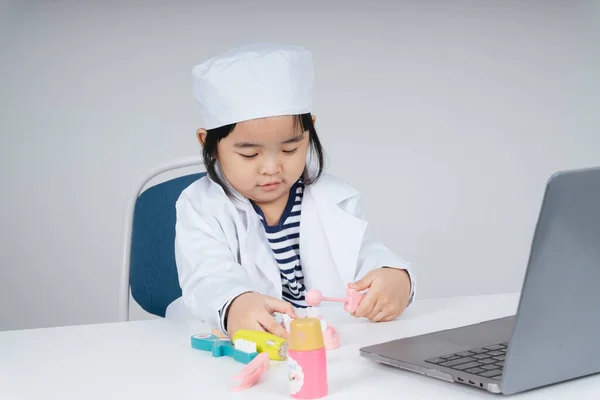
x: 310, y: 337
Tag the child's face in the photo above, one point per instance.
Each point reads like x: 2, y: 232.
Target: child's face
x: 263, y: 158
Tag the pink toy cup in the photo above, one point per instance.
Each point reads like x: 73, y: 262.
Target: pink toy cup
x: 307, y: 359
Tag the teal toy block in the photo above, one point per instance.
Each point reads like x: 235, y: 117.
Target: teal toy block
x: 221, y: 347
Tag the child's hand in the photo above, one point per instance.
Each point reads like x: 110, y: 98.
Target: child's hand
x: 254, y: 311
x: 387, y: 297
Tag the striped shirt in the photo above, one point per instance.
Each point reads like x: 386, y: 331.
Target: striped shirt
x: 284, y: 239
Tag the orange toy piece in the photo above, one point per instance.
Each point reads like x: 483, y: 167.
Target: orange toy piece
x: 219, y: 334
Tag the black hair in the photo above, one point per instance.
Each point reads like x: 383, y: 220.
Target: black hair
x: 214, y: 136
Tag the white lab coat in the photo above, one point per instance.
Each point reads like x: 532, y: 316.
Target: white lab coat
x: 221, y: 248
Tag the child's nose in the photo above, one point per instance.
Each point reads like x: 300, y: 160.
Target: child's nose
x: 270, y: 166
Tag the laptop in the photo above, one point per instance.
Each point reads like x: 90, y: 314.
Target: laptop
x: 555, y: 334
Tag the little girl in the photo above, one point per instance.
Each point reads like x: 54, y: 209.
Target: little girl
x: 266, y: 224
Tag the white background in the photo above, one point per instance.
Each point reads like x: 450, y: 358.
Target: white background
x: 448, y: 116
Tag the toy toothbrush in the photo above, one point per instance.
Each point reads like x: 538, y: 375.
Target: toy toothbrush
x: 351, y: 301
x: 275, y: 346
x: 243, y: 351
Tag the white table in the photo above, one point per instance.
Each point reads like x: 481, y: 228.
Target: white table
x: 154, y: 360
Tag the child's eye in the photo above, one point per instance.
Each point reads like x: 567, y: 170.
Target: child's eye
x: 290, y: 151
x: 248, y: 156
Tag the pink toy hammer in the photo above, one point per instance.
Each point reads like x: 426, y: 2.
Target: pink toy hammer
x: 351, y: 301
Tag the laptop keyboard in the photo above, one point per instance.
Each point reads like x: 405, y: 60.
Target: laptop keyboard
x: 487, y: 361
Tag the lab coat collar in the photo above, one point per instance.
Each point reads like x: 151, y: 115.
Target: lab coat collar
x: 257, y: 243
x: 344, y: 232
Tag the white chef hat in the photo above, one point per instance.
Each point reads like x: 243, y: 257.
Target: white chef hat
x: 254, y: 81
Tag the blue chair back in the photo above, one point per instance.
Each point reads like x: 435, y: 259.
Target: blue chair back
x: 153, y: 272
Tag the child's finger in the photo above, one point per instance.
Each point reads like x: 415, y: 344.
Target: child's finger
x: 270, y: 324
x: 377, y: 309
x: 289, y: 310
x: 366, y: 305
x: 365, y: 282
x: 256, y: 326
x: 389, y: 318
x: 280, y: 306
x: 382, y: 315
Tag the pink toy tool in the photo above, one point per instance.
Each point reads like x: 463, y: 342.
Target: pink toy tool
x: 351, y: 301
x: 252, y: 372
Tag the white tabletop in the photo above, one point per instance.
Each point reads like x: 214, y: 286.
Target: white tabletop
x: 154, y: 360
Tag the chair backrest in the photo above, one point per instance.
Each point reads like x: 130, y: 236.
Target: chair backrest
x: 153, y: 277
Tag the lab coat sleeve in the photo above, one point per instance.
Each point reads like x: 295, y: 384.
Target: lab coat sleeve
x: 209, y: 273
x: 223, y: 310
x: 374, y: 254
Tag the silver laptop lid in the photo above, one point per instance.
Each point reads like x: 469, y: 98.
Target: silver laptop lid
x: 557, y: 330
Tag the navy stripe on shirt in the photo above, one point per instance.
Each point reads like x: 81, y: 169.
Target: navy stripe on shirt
x: 284, y: 239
